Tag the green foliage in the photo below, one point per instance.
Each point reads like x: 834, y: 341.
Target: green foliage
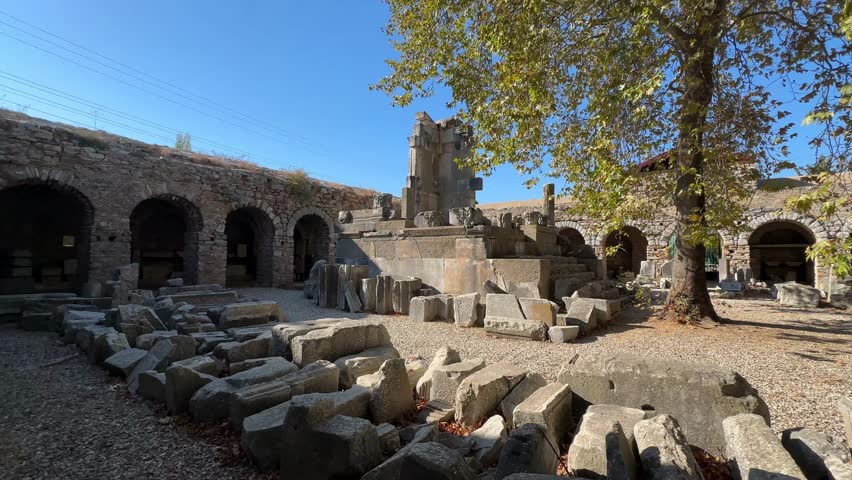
x: 300, y: 183
x: 183, y: 142
x: 584, y: 89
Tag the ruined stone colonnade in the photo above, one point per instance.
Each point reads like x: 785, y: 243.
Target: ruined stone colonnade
x: 76, y: 203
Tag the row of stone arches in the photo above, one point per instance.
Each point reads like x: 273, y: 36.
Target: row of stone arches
x: 46, y: 230
x: 776, y: 248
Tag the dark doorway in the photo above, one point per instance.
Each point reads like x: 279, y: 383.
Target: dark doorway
x: 310, y: 243
x: 777, y: 253
x: 164, y: 240
x: 632, y: 249
x: 250, y: 237
x: 45, y: 232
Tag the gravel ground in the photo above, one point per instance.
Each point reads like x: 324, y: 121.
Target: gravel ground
x: 798, y: 359
x: 70, y: 421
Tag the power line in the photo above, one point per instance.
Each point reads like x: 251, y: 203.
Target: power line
x: 92, y: 104
x: 221, y: 107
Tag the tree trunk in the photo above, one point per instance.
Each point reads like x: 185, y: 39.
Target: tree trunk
x: 688, y: 299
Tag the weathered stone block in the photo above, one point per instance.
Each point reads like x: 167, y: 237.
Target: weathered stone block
x: 433, y: 461
x: 488, y: 441
x: 345, y: 338
x: 384, y: 294
x: 664, y: 451
x: 503, y: 305
x: 797, y: 295
x: 367, y: 294
x: 539, y: 309
x: 246, y: 314
x: 531, y: 382
x: 444, y: 356
x: 482, y: 392
x: 390, y: 392
x: 402, y: 292
x: 671, y: 387
x: 122, y: 363
x: 550, y: 407
x: 816, y: 455
x: 152, y: 386
x: 184, y: 378
x: 755, y: 452
x: 447, y: 378
x: 369, y: 361
x: 161, y: 355
x: 600, y: 450
x: 424, y: 309
x: 560, y: 334
x: 516, y: 328
x: 528, y: 450
x: 466, y: 311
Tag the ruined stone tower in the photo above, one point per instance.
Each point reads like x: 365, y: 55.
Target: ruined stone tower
x: 435, y: 182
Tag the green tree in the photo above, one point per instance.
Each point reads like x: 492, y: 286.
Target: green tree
x: 183, y: 142
x: 584, y: 88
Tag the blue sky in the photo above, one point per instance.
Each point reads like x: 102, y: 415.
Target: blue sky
x: 298, y: 71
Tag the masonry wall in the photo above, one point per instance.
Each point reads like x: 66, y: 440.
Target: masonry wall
x: 114, y: 174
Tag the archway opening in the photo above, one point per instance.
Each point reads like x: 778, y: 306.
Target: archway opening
x: 250, y: 236
x: 45, y: 233
x: 632, y: 249
x: 164, y: 240
x: 712, y: 258
x: 777, y: 253
x: 571, y: 243
x: 310, y: 243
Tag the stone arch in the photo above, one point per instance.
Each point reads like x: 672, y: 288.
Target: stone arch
x: 777, y: 251
x: 45, y: 235
x: 805, y: 221
x: 250, y: 237
x: 164, y: 231
x: 312, y: 234
x: 587, y: 238
x: 633, y: 249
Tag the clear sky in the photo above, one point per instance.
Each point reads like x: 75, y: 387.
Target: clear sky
x: 289, y: 81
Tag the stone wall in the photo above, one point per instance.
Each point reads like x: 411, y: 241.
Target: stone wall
x: 111, y: 175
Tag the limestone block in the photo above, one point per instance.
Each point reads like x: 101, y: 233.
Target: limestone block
x: 755, y: 452
x: 262, y: 437
x: 390, y: 395
x: 284, y: 333
x: 388, y: 438
x: 161, y: 355
x: 205, y: 298
x: 605, y: 309
x: 326, y: 296
x: 367, y: 294
x: 384, y: 294
x: 444, y: 356
x: 416, y: 368
x: 625, y: 416
x: 152, y: 386
x: 466, y: 311
x: 528, y: 450
x: 447, y: 378
x: 488, y: 441
x: 503, y: 305
x: 235, y: 352
x: 345, y: 338
x: 75, y: 320
x: 146, y: 341
x: 429, y: 219
x: 402, y: 293
x: 391, y: 468
x: 433, y: 461
x: 796, y: 295
x: 539, y: 309
x: 247, y: 314
x: 516, y: 328
x: 560, y: 334
x: 369, y: 361
x: 667, y: 386
x: 482, y: 391
x: 436, y: 411
x: 531, y: 382
x: 122, y: 363
x: 583, y: 314
x: 353, y: 301
x: 424, y: 309
x: 207, y: 341
x: 601, y: 450
x: 184, y: 378
x: 319, y: 446
x: 816, y: 455
x: 550, y: 407
x: 664, y: 451
x: 253, y: 399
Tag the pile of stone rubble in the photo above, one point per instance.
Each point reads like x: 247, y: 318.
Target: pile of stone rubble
x: 332, y: 398
x: 348, y: 288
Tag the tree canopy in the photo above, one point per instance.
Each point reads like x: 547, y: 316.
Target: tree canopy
x: 584, y: 89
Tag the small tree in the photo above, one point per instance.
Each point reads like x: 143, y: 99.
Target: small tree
x: 588, y: 87
x: 183, y: 142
